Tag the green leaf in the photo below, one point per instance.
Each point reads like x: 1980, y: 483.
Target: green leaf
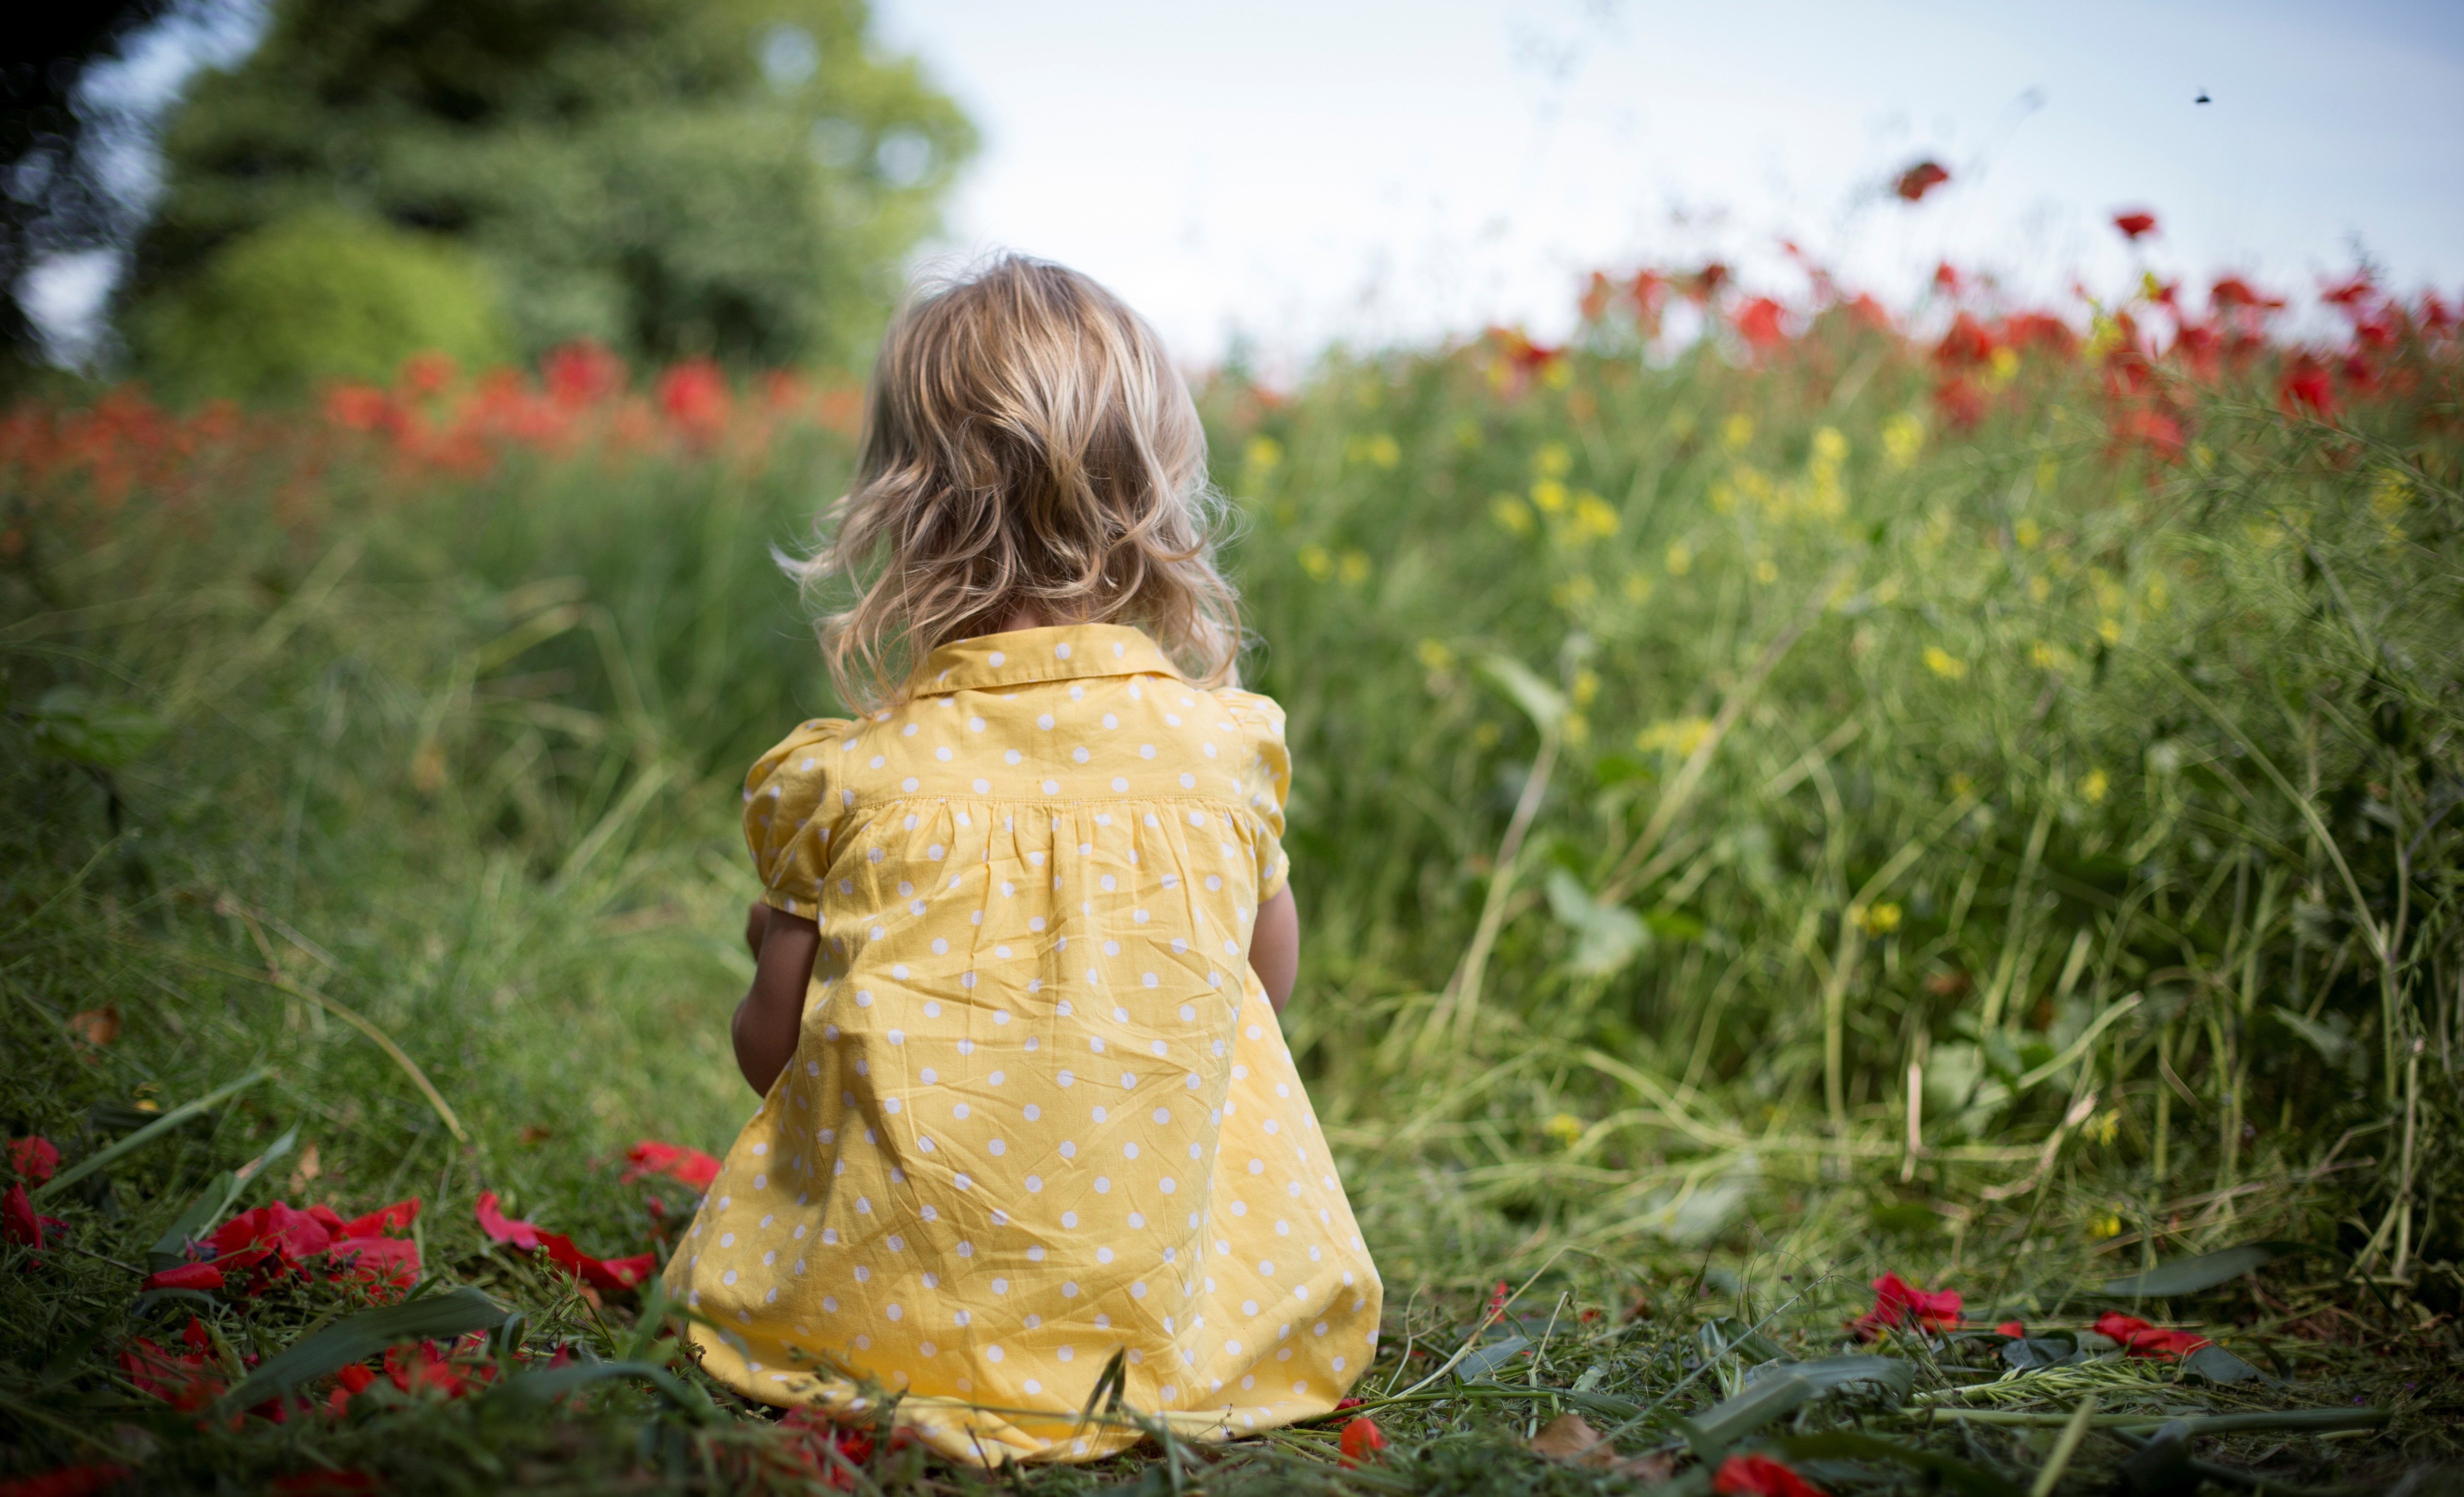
x: 144, y: 1135
x: 1894, y: 1374
x: 365, y: 1334
x: 2218, y: 1365
x: 1606, y: 936
x: 1726, y: 1334
x: 1544, y: 704
x: 2330, y: 1044
x: 2206, y: 1270
x: 170, y: 1249
x: 1715, y: 1429
x: 1956, y: 1476
x: 72, y: 724
x: 1484, y: 1361
x: 2029, y: 1354
x: 549, y: 1384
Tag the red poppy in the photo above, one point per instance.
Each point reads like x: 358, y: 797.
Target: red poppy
x: 1913, y: 184
x: 691, y: 1166
x: 1899, y: 1304
x: 603, y: 1274
x: 1758, y: 323
x: 2142, y: 1340
x: 2305, y: 387
x: 1760, y: 1476
x: 2150, y: 429
x: 581, y: 372
x: 2040, y: 332
x: 1960, y: 400
x: 2435, y: 315
x: 22, y: 1226
x: 1945, y: 278
x: 693, y: 395
x: 2232, y: 292
x: 1870, y: 312
x: 352, y: 1381
x: 815, y: 1437
x: 1341, y: 1404
x: 2351, y: 293
x: 186, y: 1276
x: 69, y: 1481
x: 2136, y: 225
x: 35, y: 1159
x: 1497, y: 1298
x: 179, y: 1380
x: 1361, y: 1441
x: 1706, y: 282
x: 1597, y: 296
x: 1969, y: 342
x: 2012, y: 1329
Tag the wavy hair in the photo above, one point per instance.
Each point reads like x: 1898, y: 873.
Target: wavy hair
x: 1027, y: 442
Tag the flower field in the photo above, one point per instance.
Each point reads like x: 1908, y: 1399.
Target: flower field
x: 1881, y: 898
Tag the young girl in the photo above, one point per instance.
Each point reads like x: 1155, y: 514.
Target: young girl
x: 1025, y: 932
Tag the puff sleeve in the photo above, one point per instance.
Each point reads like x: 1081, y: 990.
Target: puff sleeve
x: 1266, y: 783
x: 791, y: 809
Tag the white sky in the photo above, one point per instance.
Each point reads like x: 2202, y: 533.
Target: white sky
x: 1297, y: 171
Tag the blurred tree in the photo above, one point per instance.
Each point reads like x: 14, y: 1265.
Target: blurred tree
x: 322, y: 294
x: 736, y: 178
x: 52, y: 148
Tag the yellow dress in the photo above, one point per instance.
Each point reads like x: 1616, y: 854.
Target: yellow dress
x: 1040, y: 1109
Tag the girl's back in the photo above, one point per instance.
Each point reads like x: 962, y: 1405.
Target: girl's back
x: 1039, y: 1110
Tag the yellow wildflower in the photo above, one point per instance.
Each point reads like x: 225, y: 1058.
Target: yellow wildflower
x: 1552, y: 460
x: 1830, y: 446
x: 1354, y: 568
x: 1512, y: 513
x: 2005, y: 364
x: 2039, y: 588
x: 1877, y: 919
x: 2109, y: 631
x: 1435, y: 657
x: 1573, y: 592
x: 2028, y: 533
x: 1576, y: 727
x: 1960, y: 785
x: 1548, y: 496
x: 2094, y: 787
x: 2104, y: 1227
x: 1593, y: 519
x: 1566, y: 1128
x: 1903, y: 438
x: 1384, y: 451
x: 1680, y: 559
x: 1944, y: 664
x: 1262, y: 453
x: 2158, y: 599
x: 1678, y: 735
x: 1766, y: 571
x: 2105, y: 1125
x: 1559, y: 375
x: 1317, y: 561
x: 1585, y: 687
x: 1638, y: 587
x: 1737, y: 431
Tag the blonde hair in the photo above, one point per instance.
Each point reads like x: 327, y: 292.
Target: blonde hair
x: 1027, y: 442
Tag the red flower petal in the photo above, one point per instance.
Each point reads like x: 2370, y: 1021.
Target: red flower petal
x: 1760, y: 1476
x: 35, y: 1159
x: 384, y: 1220
x: 18, y: 1224
x: 69, y: 1481
x: 2136, y: 224
x: 1913, y: 184
x: 186, y: 1276
x: 503, y: 1228
x: 1361, y: 1439
x: 691, y: 1166
x: 2012, y: 1329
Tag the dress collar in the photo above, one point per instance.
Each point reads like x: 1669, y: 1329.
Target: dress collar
x: 1023, y: 657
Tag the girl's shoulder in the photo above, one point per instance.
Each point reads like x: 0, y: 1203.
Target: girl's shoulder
x: 800, y: 754
x: 1252, y: 709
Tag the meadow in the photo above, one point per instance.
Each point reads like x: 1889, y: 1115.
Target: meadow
x: 1815, y: 845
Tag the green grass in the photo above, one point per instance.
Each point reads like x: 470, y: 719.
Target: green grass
x: 1687, y: 759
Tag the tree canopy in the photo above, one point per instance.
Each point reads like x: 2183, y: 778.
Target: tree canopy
x: 732, y: 178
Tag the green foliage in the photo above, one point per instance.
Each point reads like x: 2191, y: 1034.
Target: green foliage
x: 459, y: 753
x: 323, y: 295
x: 669, y: 177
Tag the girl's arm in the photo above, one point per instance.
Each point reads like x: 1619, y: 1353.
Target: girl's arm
x: 772, y: 1012
x: 1275, y: 947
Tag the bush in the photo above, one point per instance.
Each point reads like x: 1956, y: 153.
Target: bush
x: 323, y: 295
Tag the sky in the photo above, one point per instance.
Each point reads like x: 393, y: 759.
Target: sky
x: 1282, y: 174
x: 1279, y: 175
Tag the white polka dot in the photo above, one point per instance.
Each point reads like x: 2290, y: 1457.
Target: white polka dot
x: 998, y: 658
